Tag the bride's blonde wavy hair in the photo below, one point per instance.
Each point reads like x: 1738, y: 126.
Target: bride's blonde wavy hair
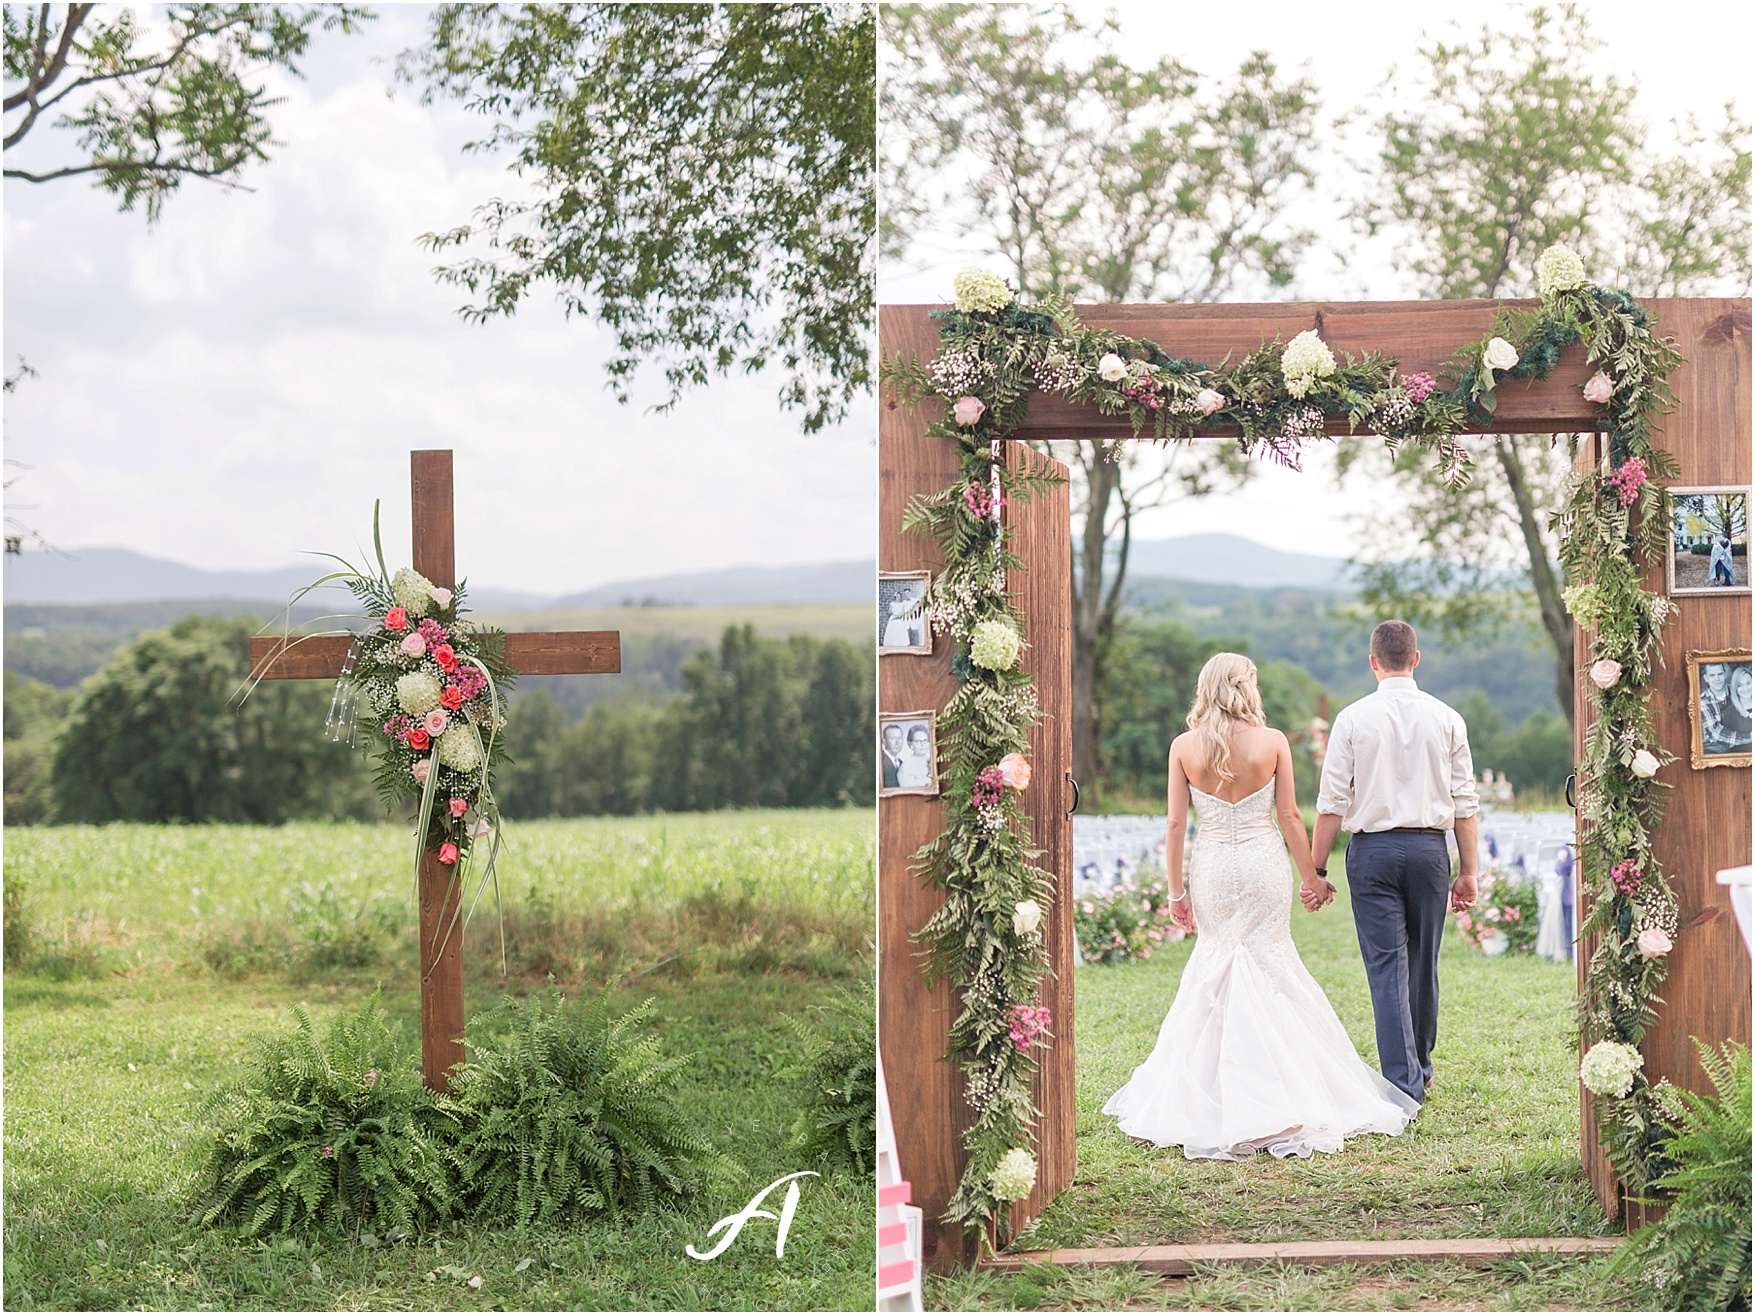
x: 1226, y: 692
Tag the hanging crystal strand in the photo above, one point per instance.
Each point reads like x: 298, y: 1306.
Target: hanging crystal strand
x: 343, y: 701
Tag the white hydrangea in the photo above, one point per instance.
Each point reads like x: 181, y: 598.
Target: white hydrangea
x: 458, y: 750
x: 1560, y: 270
x: 1609, y: 1068
x: 412, y: 591
x: 978, y: 290
x: 1014, y: 1175
x: 995, y: 645
x: 1305, y: 360
x: 418, y: 692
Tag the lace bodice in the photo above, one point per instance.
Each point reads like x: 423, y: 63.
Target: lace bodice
x: 1240, y: 876
x: 1248, y: 819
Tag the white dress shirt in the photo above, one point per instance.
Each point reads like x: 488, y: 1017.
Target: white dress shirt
x: 1398, y: 758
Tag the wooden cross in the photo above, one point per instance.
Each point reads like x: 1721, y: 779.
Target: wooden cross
x: 550, y: 653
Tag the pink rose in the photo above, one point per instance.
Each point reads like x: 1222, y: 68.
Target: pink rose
x: 1605, y: 672
x: 447, y: 853
x: 442, y: 597
x: 1652, y: 942
x: 1599, y: 388
x: 968, y: 410
x: 1209, y: 400
x: 481, y: 828
x: 414, y: 645
x: 435, y: 721
x: 459, y: 806
x: 1014, y: 771
x: 422, y: 768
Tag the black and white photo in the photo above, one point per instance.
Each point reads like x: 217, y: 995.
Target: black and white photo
x: 1718, y: 708
x: 902, y: 623
x: 907, y: 753
x: 1709, y: 541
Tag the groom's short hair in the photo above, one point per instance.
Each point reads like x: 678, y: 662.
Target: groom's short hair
x: 1394, y: 644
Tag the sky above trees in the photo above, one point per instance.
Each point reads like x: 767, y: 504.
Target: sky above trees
x: 238, y: 383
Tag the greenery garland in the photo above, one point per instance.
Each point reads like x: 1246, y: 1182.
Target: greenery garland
x: 993, y: 352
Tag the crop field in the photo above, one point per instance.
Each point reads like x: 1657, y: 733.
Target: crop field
x: 142, y: 960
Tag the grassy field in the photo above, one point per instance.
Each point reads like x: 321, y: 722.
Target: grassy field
x: 1494, y: 1153
x: 158, y: 952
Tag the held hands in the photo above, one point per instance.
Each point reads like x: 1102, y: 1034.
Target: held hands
x: 1314, y: 892
x: 1463, y: 892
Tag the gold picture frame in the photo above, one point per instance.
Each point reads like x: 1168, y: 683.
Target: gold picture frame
x: 901, y: 586
x: 1710, y: 743
x: 893, y: 770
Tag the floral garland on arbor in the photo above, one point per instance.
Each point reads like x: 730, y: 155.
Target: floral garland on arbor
x: 986, y: 937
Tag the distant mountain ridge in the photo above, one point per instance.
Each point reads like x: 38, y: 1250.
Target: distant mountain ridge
x: 1234, y: 560
x: 120, y: 575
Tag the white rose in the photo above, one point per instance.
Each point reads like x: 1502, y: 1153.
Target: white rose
x: 1500, y: 355
x: 1026, y: 917
x: 1112, y: 369
x: 1644, y: 764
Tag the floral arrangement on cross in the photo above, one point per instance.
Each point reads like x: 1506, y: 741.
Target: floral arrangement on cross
x: 994, y: 352
x: 435, y: 686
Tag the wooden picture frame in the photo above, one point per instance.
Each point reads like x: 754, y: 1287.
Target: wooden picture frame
x: 897, y: 770
x: 1699, y: 564
x: 902, y: 584
x: 1703, y: 752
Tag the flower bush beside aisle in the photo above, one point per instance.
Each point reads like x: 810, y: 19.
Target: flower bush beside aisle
x: 1126, y: 923
x: 993, y: 352
x: 1503, y: 920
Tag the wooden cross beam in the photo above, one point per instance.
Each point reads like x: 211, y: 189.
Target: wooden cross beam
x: 532, y: 654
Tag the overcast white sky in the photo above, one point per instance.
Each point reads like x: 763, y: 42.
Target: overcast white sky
x: 237, y: 384
x: 1689, y: 55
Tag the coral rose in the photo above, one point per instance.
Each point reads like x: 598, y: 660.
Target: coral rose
x: 447, y: 853
x: 446, y: 657
x: 419, y: 740
x: 459, y: 806
x: 1015, y: 771
x: 967, y: 410
x: 396, y: 619
x: 451, y: 697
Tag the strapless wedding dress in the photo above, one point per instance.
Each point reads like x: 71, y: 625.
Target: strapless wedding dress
x: 1251, y: 1056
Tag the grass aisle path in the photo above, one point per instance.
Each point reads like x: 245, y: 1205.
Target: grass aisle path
x: 112, y: 1045
x: 1494, y: 1152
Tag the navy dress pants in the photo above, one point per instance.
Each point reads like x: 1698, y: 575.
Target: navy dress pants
x: 1400, y: 887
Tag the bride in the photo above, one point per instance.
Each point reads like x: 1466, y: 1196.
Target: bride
x: 1251, y: 1056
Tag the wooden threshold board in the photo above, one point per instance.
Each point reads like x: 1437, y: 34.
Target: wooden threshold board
x: 1181, y: 1260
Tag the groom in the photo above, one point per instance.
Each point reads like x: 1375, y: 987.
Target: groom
x: 1396, y: 777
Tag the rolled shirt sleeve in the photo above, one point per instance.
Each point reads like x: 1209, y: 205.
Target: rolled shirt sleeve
x: 1465, y: 799
x: 1335, y: 793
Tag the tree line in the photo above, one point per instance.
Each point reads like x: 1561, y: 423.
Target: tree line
x: 160, y: 735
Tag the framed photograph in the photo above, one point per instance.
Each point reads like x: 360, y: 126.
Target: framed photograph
x: 901, y: 622
x: 1718, y: 708
x: 1709, y: 541
x: 907, y: 753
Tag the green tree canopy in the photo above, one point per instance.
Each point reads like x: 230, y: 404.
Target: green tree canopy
x: 151, y: 107
x: 1513, y: 141
x: 699, y: 178
x: 157, y: 736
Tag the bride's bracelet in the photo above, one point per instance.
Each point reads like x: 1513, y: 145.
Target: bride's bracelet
x: 1177, y: 899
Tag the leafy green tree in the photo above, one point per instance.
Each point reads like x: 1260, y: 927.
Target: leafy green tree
x: 1511, y: 143
x: 153, y: 107
x: 1095, y: 177
x: 700, y: 180
x: 157, y: 736
x: 34, y: 712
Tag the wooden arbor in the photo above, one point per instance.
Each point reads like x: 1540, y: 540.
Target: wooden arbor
x: 1707, y: 826
x: 532, y: 654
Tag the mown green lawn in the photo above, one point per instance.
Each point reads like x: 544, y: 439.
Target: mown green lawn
x: 160, y: 951
x: 1494, y: 1152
